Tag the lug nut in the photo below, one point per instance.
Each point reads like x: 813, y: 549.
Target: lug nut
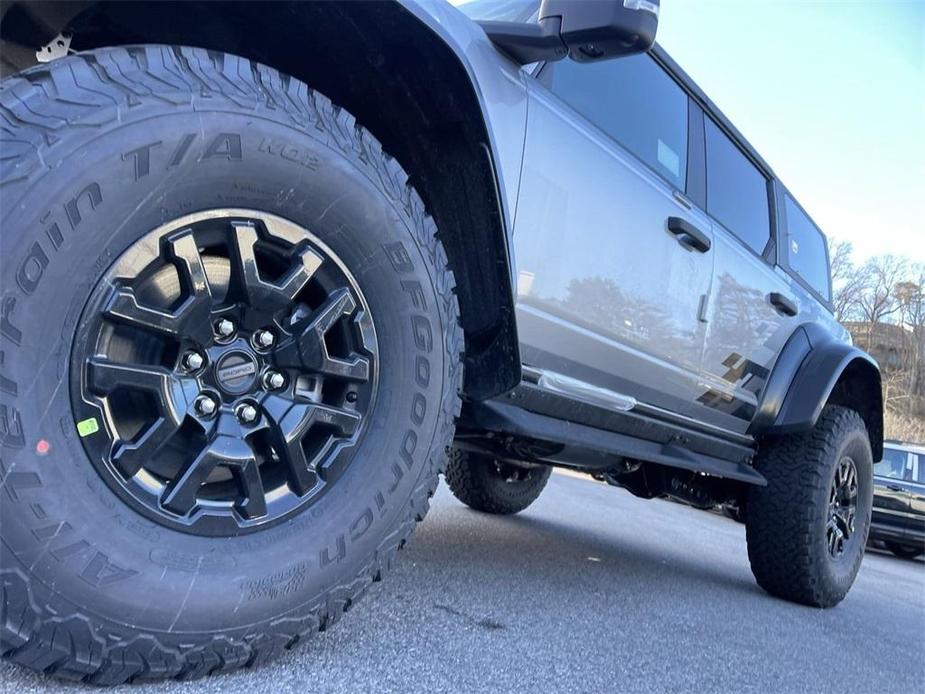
x: 274, y: 380
x: 224, y: 327
x: 205, y: 406
x: 246, y: 413
x: 193, y: 361
x: 263, y: 339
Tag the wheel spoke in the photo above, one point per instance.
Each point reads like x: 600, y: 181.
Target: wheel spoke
x: 174, y: 395
x: 185, y: 252
x: 253, y: 502
x: 228, y: 450
x: 290, y: 421
x: 344, y: 422
x: 191, y: 318
x: 310, y: 351
x: 131, y: 456
x: 180, y: 495
x: 260, y: 293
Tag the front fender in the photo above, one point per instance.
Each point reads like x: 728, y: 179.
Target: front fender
x: 499, y: 85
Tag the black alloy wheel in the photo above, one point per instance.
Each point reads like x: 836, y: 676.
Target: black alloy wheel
x: 843, y: 504
x: 231, y: 359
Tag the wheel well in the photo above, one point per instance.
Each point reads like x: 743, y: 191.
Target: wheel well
x: 858, y: 387
x: 399, y: 79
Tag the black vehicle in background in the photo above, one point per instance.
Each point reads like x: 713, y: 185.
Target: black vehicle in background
x: 899, y: 499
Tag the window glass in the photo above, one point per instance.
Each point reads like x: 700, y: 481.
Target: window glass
x: 737, y: 192
x: 893, y: 464
x: 635, y: 102
x: 920, y: 471
x: 806, y: 254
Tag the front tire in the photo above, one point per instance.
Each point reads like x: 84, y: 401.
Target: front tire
x: 107, y: 574
x: 494, y: 486
x: 807, y: 529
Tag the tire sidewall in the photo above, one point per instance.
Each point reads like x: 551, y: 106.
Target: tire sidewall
x: 63, y: 229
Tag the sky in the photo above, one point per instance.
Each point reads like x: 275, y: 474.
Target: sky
x: 831, y: 93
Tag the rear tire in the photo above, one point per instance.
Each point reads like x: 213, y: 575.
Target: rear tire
x: 904, y: 551
x: 793, y: 525
x: 98, y: 150
x: 489, y: 485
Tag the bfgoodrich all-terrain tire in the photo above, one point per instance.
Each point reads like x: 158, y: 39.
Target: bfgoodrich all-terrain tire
x: 806, y: 530
x: 230, y: 363
x: 493, y: 486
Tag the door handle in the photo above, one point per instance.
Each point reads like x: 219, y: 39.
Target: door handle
x: 895, y: 488
x: 784, y: 304
x: 689, y: 235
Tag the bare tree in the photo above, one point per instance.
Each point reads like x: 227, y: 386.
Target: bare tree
x: 847, y: 280
x: 886, y: 299
x: 877, y: 299
x: 910, y: 294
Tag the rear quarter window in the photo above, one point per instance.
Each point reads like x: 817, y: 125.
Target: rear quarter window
x: 806, y: 249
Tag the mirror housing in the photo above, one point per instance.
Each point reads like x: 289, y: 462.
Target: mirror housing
x: 585, y: 30
x: 593, y: 30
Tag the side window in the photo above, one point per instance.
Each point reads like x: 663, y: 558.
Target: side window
x: 806, y: 254
x: 893, y: 464
x: 920, y: 469
x: 737, y: 192
x: 636, y: 103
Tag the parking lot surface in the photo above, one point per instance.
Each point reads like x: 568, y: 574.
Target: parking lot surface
x: 591, y: 589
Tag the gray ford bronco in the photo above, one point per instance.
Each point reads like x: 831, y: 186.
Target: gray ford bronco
x: 268, y: 269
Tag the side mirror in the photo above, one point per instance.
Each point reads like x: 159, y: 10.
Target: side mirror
x: 585, y: 30
x: 594, y: 30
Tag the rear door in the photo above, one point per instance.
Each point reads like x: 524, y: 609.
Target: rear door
x: 892, y: 496
x: 752, y: 308
x: 609, y: 282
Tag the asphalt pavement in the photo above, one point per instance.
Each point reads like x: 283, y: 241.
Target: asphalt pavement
x: 591, y: 589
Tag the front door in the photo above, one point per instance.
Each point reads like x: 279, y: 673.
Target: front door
x: 608, y: 289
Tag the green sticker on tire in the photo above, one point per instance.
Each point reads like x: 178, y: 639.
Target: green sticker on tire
x: 87, y: 427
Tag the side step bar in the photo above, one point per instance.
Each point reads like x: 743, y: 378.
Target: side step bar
x: 589, y: 448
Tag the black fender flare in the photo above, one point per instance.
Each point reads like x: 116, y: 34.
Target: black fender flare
x: 814, y: 369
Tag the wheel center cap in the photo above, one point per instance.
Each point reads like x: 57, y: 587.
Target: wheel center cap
x: 236, y: 372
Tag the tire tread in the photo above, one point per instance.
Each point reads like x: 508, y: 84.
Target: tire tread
x: 781, y: 519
